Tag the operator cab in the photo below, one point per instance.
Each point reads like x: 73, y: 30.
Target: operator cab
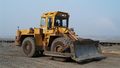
x: 61, y: 21
x: 54, y: 19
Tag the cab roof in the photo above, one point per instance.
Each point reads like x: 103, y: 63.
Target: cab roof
x: 56, y: 13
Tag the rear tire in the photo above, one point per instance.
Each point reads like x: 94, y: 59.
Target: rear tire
x: 29, y: 48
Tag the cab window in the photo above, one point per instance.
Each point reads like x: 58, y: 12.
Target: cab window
x: 61, y: 22
x: 49, y: 23
x: 42, y: 22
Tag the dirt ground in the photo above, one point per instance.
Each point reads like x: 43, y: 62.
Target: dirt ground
x: 11, y: 57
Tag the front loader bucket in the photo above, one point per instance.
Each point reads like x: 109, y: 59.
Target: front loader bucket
x: 87, y: 49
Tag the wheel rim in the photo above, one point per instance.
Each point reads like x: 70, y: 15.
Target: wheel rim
x: 58, y: 47
x: 27, y: 47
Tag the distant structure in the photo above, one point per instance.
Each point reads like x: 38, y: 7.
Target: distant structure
x: 7, y: 41
x: 109, y: 43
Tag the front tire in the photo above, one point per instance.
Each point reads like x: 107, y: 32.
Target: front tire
x: 61, y: 45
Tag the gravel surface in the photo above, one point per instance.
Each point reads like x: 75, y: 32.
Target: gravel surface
x: 11, y: 57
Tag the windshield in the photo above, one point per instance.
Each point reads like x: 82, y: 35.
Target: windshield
x: 61, y: 22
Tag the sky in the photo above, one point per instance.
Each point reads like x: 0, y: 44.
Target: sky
x: 87, y: 17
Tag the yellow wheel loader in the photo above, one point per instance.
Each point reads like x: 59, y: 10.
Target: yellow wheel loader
x: 55, y: 38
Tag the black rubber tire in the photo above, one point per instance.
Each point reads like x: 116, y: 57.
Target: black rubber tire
x: 31, y: 51
x: 62, y: 42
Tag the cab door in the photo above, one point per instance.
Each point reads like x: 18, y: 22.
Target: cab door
x: 49, y: 25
